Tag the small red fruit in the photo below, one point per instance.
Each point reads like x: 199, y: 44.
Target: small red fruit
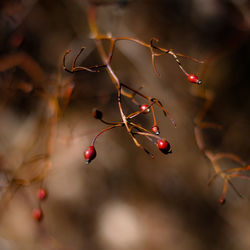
x: 41, y: 194
x: 194, y: 79
x: 164, y: 146
x: 37, y: 214
x: 90, y: 154
x: 222, y: 201
x: 144, y: 108
x: 155, y: 129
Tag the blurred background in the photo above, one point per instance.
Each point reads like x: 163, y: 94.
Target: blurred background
x: 123, y: 200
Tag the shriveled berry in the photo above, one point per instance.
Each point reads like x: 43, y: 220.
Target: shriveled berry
x: 164, y: 146
x: 194, y: 79
x: 37, y: 214
x: 144, y: 108
x: 97, y: 114
x: 155, y: 129
x: 41, y: 194
x: 90, y: 154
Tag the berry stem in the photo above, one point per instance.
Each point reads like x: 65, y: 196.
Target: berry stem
x: 104, y: 130
x: 148, y: 134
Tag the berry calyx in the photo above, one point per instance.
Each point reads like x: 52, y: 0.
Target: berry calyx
x: 97, y: 114
x: 193, y: 79
x: 41, y: 194
x: 144, y: 108
x: 164, y: 146
x: 37, y: 214
x: 155, y: 129
x: 90, y: 154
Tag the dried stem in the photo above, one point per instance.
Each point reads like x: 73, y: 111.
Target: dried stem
x: 122, y: 88
x: 214, y: 158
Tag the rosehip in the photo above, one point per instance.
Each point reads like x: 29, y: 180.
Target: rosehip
x: 97, y: 114
x: 144, y: 108
x: 155, y: 129
x: 164, y: 146
x: 193, y: 79
x: 41, y: 194
x: 222, y: 201
x: 37, y: 214
x: 90, y: 154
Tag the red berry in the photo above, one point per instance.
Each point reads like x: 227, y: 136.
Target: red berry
x: 37, y: 214
x: 194, y: 79
x: 97, y: 114
x: 222, y: 201
x: 144, y: 108
x: 90, y: 154
x: 41, y: 194
x: 155, y: 129
x: 164, y: 146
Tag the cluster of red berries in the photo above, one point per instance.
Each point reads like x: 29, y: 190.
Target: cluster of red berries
x: 37, y: 212
x: 163, y: 146
x: 97, y: 114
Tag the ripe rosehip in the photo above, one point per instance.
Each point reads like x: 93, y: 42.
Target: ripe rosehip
x: 144, y: 108
x: 90, y: 154
x: 193, y: 79
x: 41, y: 194
x: 164, y: 146
x: 97, y: 114
x: 155, y: 129
x: 37, y: 214
x: 222, y: 201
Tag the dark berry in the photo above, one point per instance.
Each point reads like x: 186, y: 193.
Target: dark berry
x: 97, y: 114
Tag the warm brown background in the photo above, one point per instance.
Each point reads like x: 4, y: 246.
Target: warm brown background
x: 124, y: 200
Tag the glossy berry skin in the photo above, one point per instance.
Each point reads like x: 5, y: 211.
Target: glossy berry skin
x: 144, y: 108
x: 37, y: 214
x: 155, y: 129
x: 193, y: 79
x: 164, y: 146
x: 97, y: 114
x: 41, y: 194
x: 90, y: 154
